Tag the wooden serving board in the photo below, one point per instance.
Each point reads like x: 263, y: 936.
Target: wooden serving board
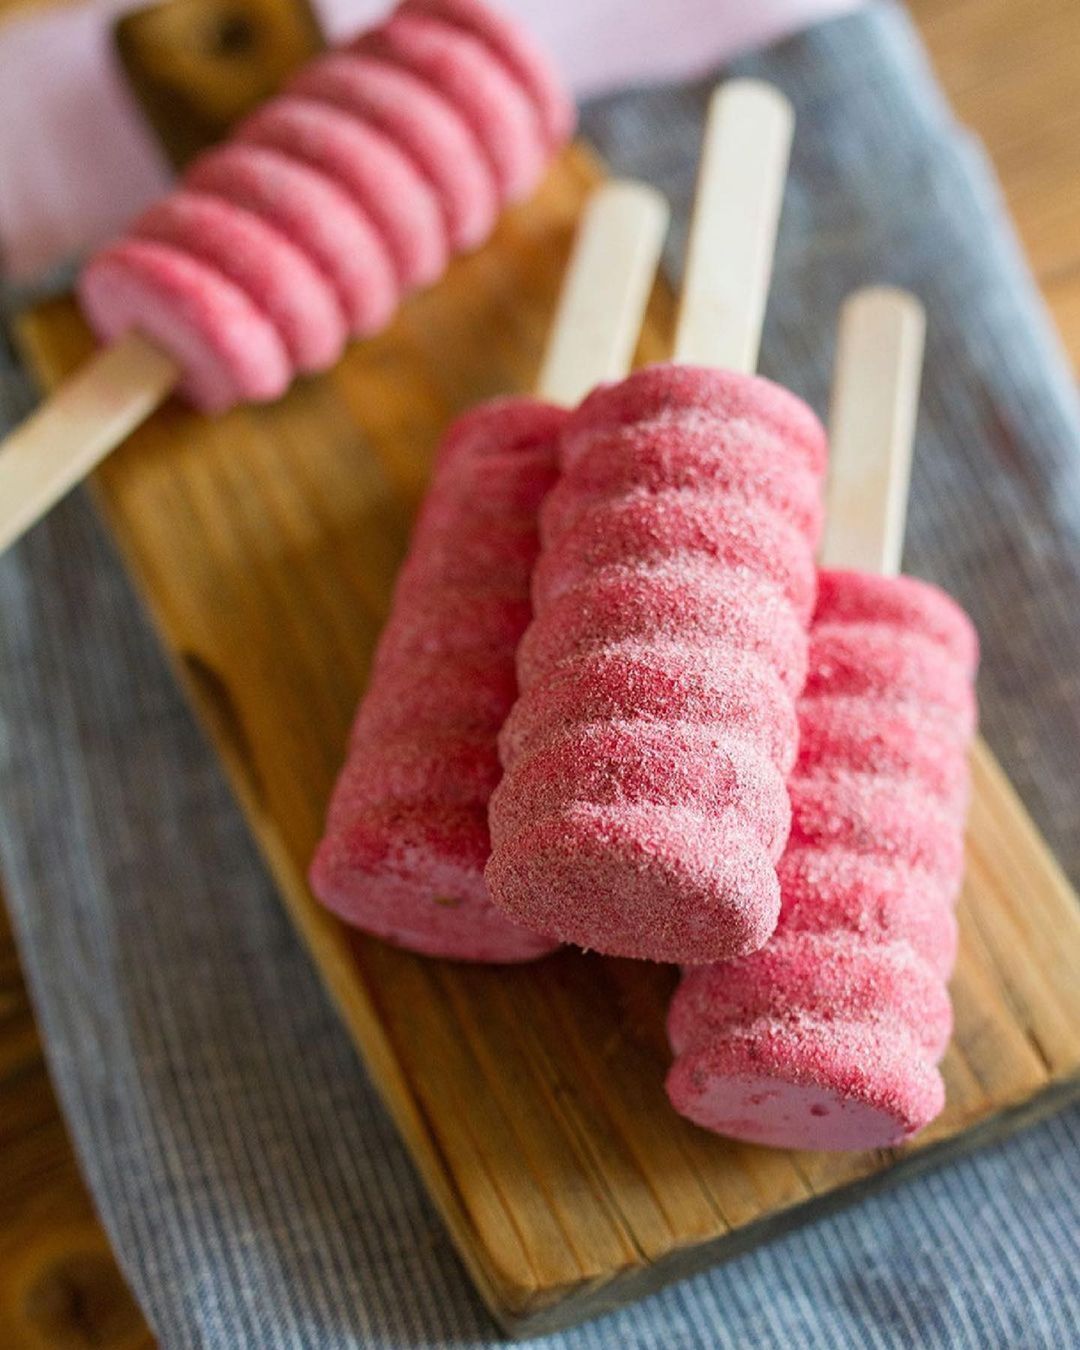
x: 265, y: 546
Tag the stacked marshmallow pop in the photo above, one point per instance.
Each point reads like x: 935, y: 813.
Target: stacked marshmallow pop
x: 351, y: 188
x: 643, y: 807
x: 829, y: 1038
x: 406, y: 837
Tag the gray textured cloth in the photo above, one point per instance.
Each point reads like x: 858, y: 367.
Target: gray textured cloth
x: 254, y: 1190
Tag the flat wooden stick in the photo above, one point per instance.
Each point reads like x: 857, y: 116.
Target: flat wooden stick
x: 605, y: 291
x: 89, y: 415
x: 875, y: 399
x: 733, y: 231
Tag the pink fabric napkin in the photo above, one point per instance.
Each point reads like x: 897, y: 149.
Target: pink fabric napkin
x: 76, y: 159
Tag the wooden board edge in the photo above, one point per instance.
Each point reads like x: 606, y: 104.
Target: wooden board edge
x: 986, y: 768
x: 598, y: 1298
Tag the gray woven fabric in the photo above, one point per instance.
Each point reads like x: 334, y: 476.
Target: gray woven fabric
x: 253, y: 1188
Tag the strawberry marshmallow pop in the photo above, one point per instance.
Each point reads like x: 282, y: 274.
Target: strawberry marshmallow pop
x: 643, y: 807
x: 406, y: 836
x: 327, y: 206
x: 830, y: 1037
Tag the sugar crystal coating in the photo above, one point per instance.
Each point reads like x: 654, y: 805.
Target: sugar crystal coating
x: 277, y: 276
x: 514, y: 46
x: 227, y: 348
x: 352, y: 187
x: 315, y: 214
x: 643, y: 807
x: 384, y: 185
x: 471, y: 77
x: 406, y: 835
x: 425, y: 125
x: 830, y: 1036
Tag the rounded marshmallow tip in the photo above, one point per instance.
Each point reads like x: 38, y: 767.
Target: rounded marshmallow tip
x: 829, y: 1037
x: 406, y: 835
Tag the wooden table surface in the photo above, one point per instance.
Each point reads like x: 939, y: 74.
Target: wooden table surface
x: 1012, y: 69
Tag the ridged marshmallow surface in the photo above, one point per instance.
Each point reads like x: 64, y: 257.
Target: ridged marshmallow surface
x: 829, y: 1037
x: 643, y: 807
x: 335, y: 199
x: 406, y: 836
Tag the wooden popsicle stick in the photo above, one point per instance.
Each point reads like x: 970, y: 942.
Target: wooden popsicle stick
x: 87, y: 417
x: 729, y: 258
x: 875, y: 399
x: 605, y: 291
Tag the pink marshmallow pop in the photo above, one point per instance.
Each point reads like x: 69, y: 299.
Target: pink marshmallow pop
x: 643, y: 808
x: 326, y: 207
x: 406, y: 836
x: 329, y: 204
x: 829, y: 1037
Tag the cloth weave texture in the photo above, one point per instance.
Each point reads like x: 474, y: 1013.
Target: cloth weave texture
x: 255, y: 1191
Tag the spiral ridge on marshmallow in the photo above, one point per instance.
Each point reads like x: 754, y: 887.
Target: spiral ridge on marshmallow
x: 830, y: 1036
x: 406, y: 835
x: 331, y: 202
x: 643, y: 806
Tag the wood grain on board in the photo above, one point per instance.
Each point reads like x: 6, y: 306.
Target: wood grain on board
x: 59, y: 1285
x: 265, y: 545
